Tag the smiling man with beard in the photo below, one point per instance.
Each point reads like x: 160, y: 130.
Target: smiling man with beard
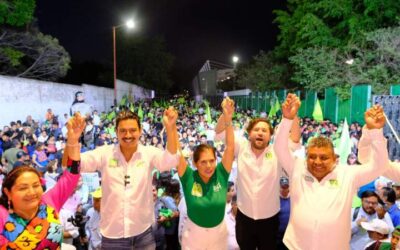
x: 322, y: 191
x: 258, y: 184
x: 126, y: 205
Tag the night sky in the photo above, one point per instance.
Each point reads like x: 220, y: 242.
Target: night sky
x: 194, y: 30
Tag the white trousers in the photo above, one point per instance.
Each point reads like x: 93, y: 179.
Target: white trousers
x: 195, y: 237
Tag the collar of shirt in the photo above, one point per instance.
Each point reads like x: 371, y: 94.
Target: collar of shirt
x: 120, y: 156
x: 392, y: 209
x: 249, y: 150
x: 330, y: 176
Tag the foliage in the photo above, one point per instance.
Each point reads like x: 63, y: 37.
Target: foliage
x: 263, y: 73
x: 145, y: 62
x: 327, y: 23
x: 16, y: 12
x: 32, y: 55
x: 28, y: 53
x: 375, y: 62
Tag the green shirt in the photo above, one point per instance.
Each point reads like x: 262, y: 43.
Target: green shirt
x: 205, y: 202
x: 11, y: 156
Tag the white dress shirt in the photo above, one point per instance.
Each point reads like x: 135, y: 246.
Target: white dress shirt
x: 257, y: 180
x: 92, y: 229
x: 320, y: 210
x: 127, y: 207
x: 364, y: 153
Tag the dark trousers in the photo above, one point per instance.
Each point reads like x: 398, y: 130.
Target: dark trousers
x: 256, y: 234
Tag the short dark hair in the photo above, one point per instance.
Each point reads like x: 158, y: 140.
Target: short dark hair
x: 254, y: 122
x: 234, y: 198
x: 230, y: 184
x: 127, y: 115
x: 200, y: 149
x: 369, y: 193
x: 390, y: 194
x: 321, y: 142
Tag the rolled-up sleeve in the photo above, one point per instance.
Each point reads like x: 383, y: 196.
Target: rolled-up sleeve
x: 376, y: 161
x: 163, y: 160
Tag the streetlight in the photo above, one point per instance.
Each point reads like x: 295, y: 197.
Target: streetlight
x: 130, y: 24
x: 235, y: 60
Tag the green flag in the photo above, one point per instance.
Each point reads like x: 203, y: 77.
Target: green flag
x: 272, y: 111
x: 277, y: 106
x: 111, y: 116
x: 317, y: 113
x: 132, y: 108
x: 181, y: 100
x: 140, y: 112
x: 123, y: 101
x: 208, y: 114
x: 345, y: 143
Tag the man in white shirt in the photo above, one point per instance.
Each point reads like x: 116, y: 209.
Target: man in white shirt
x: 365, y: 213
x: 258, y: 178
x: 126, y: 204
x: 92, y: 225
x: 322, y: 191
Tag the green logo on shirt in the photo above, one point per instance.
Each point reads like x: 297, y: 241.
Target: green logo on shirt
x: 268, y: 155
x: 113, y: 163
x: 334, y: 183
x: 197, y: 190
x: 139, y: 164
x: 217, y: 187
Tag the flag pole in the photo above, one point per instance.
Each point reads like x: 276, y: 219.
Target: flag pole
x: 391, y: 128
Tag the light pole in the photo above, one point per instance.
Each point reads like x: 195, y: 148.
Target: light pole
x: 130, y: 24
x: 235, y: 60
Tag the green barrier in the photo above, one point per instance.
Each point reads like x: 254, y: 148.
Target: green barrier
x: 360, y: 102
x: 331, y: 105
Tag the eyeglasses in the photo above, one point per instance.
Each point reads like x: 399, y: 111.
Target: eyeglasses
x: 373, y: 203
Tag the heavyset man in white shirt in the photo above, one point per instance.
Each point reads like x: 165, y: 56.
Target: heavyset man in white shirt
x: 127, y: 210
x: 258, y: 176
x: 321, y: 191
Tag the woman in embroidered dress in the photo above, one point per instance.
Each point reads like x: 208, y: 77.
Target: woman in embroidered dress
x: 205, y: 191
x: 29, y: 218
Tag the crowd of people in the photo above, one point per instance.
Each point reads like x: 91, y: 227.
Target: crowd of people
x: 189, y: 176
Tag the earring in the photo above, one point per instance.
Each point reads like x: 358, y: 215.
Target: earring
x: 10, y: 210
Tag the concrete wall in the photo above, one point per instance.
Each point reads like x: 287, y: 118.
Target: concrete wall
x: 20, y: 97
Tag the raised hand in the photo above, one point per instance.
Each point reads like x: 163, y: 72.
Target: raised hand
x: 76, y: 124
x: 374, y: 117
x: 290, y: 106
x: 228, y: 108
x: 170, y: 117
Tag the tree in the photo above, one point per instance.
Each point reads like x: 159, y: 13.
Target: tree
x: 144, y: 61
x: 264, y: 72
x: 17, y: 12
x: 318, y: 68
x: 376, y: 61
x: 32, y: 55
x: 332, y: 24
x: 26, y: 52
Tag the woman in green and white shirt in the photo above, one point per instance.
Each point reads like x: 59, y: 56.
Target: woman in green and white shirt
x: 205, y: 191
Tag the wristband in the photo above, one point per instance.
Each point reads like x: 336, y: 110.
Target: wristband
x: 227, y: 124
x: 73, y: 167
